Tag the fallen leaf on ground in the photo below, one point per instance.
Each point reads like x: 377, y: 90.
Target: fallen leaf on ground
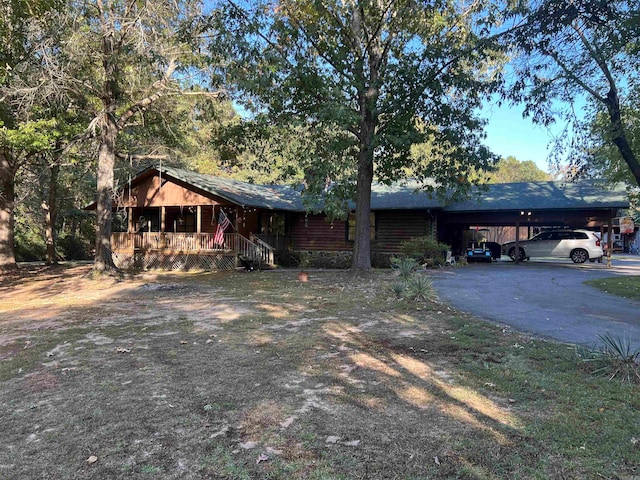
x: 92, y: 459
x: 262, y: 458
x: 332, y: 439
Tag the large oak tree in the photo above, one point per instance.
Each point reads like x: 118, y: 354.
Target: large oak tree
x: 571, y: 50
x: 364, y: 80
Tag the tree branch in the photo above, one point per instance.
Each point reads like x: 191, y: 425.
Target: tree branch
x: 569, y: 73
x: 602, y: 64
x: 273, y: 45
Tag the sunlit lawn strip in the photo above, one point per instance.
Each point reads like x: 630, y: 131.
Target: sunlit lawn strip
x: 628, y: 287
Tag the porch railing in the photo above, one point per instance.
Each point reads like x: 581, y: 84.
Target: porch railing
x: 265, y: 251
x: 194, y: 242
x: 278, y: 242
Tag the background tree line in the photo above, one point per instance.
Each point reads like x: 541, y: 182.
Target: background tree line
x: 335, y: 95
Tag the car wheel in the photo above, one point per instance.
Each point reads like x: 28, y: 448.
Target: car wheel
x: 512, y: 254
x: 579, y: 255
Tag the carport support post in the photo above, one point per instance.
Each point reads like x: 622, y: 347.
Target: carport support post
x: 517, y: 253
x: 610, y: 240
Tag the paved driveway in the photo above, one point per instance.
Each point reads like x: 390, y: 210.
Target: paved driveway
x: 546, y: 298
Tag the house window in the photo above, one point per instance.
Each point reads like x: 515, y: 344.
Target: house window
x: 185, y: 223
x: 148, y: 220
x: 351, y: 226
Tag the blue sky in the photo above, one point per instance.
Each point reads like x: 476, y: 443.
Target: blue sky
x: 508, y: 134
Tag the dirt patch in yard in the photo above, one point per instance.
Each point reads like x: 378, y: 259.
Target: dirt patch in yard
x: 252, y: 375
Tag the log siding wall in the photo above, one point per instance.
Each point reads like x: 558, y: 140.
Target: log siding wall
x: 393, y: 227
x: 313, y: 232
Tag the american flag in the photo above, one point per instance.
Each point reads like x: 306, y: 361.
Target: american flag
x: 223, y: 223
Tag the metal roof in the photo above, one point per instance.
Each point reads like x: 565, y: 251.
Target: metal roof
x: 402, y: 196
x: 408, y: 195
x: 558, y: 195
x: 274, y: 197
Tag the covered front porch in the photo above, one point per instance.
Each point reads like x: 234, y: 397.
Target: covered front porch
x: 154, y: 244
x: 175, y: 237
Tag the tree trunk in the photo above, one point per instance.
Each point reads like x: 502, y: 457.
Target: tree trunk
x: 618, y: 134
x: 367, y: 102
x: 361, y: 264
x: 107, y: 151
x: 7, y: 201
x: 50, y: 213
x: 106, y: 165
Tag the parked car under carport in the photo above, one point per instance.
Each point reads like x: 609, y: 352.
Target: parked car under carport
x: 577, y: 245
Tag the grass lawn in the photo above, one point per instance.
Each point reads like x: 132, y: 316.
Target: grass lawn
x: 628, y: 287
x: 258, y: 376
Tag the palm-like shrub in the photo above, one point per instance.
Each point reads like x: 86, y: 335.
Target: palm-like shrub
x: 614, y: 359
x: 420, y: 287
x: 405, y: 266
x: 399, y: 288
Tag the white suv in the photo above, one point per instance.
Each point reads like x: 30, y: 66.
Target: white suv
x: 578, y: 245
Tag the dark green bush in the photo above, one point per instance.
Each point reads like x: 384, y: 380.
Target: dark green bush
x: 425, y: 248
x: 28, y: 246
x: 74, y: 248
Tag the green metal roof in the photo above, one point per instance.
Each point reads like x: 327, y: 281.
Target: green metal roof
x: 403, y: 196
x: 557, y: 195
x: 274, y: 197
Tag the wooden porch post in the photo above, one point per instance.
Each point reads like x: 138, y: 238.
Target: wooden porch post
x: 163, y: 216
x: 199, y: 219
x: 130, y: 220
x: 130, y: 229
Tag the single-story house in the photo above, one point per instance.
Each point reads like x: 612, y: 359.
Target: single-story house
x: 171, y: 218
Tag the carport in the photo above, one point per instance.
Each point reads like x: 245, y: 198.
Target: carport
x: 590, y: 204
